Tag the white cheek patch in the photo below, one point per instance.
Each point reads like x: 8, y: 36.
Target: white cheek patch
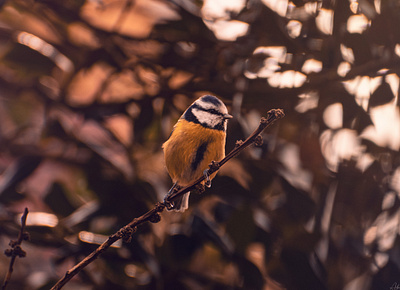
x: 205, y: 105
x: 204, y: 117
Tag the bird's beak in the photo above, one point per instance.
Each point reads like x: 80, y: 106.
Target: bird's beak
x: 227, y: 116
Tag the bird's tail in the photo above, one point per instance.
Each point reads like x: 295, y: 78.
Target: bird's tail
x: 182, y: 203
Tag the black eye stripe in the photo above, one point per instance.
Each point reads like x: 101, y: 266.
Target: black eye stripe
x: 211, y: 111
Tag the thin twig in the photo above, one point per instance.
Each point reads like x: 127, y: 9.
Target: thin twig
x: 16, y: 250
x: 153, y: 215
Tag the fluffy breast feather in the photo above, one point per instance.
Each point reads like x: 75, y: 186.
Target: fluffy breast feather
x: 190, y: 149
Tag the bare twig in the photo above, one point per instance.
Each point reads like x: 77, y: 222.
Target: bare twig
x: 16, y: 250
x: 153, y: 215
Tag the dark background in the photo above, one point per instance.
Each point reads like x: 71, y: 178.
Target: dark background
x: 90, y: 90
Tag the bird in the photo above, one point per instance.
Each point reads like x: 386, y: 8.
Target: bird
x: 197, y: 139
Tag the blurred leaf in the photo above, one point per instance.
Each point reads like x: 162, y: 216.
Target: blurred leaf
x: 145, y: 118
x: 300, y: 272
x: 21, y: 169
x: 241, y: 228
x: 57, y: 200
x: 359, y: 196
x: 222, y: 212
x: 98, y: 139
x: 229, y: 190
x: 81, y: 214
x: 354, y: 116
x: 299, y: 205
x: 206, y: 230
x: 183, y: 246
x: 27, y: 62
x: 382, y: 95
x: 359, y: 43
x: 252, y: 276
x: 382, y: 31
x: 387, y: 276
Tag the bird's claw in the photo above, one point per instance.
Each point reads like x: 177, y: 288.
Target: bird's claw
x: 168, y: 204
x: 207, y: 176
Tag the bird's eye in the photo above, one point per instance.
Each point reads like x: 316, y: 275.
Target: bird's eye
x: 213, y: 111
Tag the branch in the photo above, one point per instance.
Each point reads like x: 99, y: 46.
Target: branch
x: 273, y: 115
x: 16, y: 250
x: 153, y: 215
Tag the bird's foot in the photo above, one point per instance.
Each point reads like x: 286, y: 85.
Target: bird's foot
x: 168, y: 204
x: 208, y: 179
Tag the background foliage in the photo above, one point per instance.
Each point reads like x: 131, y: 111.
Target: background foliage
x: 89, y: 90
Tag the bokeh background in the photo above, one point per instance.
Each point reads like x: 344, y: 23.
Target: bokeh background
x: 89, y: 91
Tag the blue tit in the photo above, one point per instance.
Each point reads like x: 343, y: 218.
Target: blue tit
x: 196, y: 139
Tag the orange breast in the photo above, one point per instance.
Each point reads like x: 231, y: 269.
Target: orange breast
x: 190, y: 149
